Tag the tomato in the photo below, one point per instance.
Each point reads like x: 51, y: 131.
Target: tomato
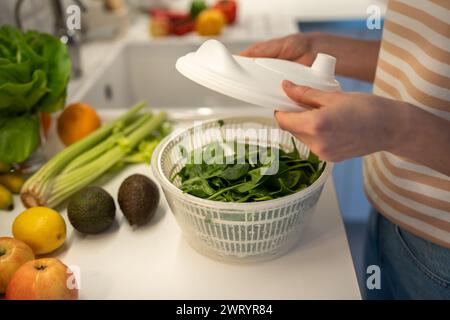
x: 181, y: 24
x: 228, y: 8
x: 171, y: 22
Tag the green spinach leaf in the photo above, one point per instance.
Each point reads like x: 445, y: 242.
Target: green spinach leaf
x: 245, y: 180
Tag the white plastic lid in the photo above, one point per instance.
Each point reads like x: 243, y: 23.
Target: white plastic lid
x: 255, y: 80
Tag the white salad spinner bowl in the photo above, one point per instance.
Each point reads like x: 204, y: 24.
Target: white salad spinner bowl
x: 227, y: 231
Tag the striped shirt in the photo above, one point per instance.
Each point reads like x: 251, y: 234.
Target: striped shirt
x: 413, y: 66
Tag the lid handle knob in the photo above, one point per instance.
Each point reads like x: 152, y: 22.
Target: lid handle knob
x: 324, y: 64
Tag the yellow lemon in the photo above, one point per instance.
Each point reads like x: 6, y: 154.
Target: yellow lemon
x: 42, y: 228
x: 210, y: 22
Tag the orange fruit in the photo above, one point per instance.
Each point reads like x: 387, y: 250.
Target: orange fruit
x: 210, y: 22
x: 46, y: 122
x: 77, y: 121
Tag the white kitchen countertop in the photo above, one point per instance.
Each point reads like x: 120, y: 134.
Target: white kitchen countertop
x: 155, y: 262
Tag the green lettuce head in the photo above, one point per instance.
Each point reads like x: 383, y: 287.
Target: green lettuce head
x: 34, y: 72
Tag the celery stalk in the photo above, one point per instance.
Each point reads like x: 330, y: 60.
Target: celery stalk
x: 105, y: 145
x: 70, y: 182
x: 83, y: 162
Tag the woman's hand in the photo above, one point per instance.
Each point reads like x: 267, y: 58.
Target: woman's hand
x: 354, y: 58
x: 339, y: 125
x: 296, y: 47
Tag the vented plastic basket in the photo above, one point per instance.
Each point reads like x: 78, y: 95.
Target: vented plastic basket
x: 234, y: 232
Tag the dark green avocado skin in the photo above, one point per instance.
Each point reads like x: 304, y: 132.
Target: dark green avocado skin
x: 91, y: 210
x: 138, y: 199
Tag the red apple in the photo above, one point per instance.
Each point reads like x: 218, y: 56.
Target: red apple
x: 13, y: 254
x: 42, y: 279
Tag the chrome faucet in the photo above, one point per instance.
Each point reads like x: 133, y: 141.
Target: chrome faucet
x: 70, y: 37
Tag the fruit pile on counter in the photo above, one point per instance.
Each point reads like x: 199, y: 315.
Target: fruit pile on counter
x: 206, y: 21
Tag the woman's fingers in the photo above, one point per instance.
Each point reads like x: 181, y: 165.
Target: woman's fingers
x: 293, y: 122
x: 266, y: 49
x: 306, y: 95
x: 307, y: 123
x: 311, y: 127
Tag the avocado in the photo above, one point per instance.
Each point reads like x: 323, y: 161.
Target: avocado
x: 91, y: 210
x: 138, y: 199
